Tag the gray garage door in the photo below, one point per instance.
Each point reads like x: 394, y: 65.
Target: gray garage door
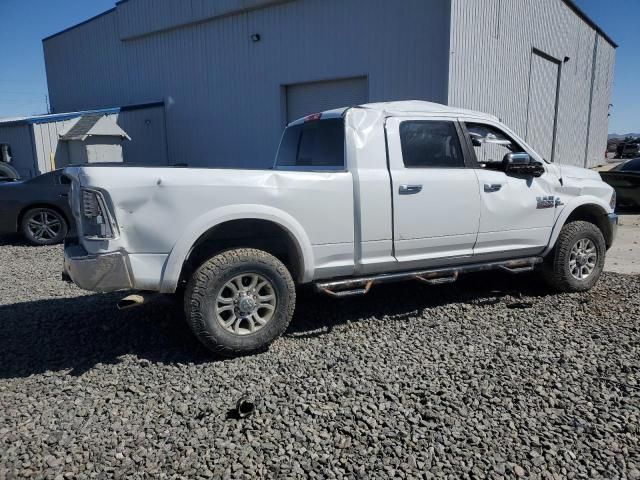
x: 541, y: 119
x: 307, y: 98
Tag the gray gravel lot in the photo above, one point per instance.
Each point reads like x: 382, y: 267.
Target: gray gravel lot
x: 463, y: 381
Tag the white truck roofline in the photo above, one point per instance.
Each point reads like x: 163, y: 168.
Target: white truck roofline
x: 404, y: 107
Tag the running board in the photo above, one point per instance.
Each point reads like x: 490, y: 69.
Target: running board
x: 437, y: 276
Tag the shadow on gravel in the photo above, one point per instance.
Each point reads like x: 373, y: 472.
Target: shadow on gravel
x: 78, y: 333
x: 622, y: 211
x: 14, y: 240
x: 318, y: 314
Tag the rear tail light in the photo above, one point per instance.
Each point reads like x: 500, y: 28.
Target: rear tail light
x: 97, y: 223
x: 90, y: 205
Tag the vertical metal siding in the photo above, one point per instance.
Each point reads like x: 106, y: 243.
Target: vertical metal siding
x: 19, y: 139
x: 602, y: 86
x: 542, y: 104
x: 45, y: 137
x: 491, y: 72
x: 148, y: 143
x: 223, y: 92
x: 306, y: 98
x: 143, y: 17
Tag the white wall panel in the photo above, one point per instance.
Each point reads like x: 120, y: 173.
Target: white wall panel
x: 490, y: 71
x: 542, y: 104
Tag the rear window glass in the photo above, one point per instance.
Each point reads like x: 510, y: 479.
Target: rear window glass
x: 430, y: 144
x: 316, y: 145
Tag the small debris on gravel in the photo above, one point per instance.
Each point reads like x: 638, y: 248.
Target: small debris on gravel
x: 520, y: 304
x: 245, y: 406
x: 410, y: 381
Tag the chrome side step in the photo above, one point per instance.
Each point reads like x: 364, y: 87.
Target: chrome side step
x: 359, y: 286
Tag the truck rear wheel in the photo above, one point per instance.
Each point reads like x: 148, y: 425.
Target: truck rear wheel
x: 240, y: 301
x: 577, y: 260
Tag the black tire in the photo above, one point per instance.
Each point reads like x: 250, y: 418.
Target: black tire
x: 557, y: 271
x: 56, y: 226
x: 212, y: 279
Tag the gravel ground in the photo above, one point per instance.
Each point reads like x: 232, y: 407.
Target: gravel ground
x: 464, y: 381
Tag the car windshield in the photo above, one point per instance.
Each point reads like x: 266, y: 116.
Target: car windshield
x: 630, y: 166
x: 45, y: 178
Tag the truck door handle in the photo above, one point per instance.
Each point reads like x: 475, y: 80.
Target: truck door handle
x: 409, y: 189
x: 63, y: 195
x: 492, y: 187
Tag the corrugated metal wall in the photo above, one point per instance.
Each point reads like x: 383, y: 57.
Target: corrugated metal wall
x: 19, y: 139
x: 602, y: 86
x: 306, y: 98
x: 146, y: 127
x: 51, y: 153
x: 36, y: 147
x: 142, y: 17
x: 542, y: 104
x: 224, y: 94
x: 492, y: 42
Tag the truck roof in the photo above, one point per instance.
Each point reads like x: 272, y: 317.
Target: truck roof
x: 405, y: 107
x: 419, y: 106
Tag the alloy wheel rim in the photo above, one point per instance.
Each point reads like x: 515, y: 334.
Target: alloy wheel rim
x: 44, y: 226
x: 583, y: 259
x: 245, y: 304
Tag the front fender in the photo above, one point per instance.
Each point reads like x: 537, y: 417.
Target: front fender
x: 175, y: 261
x: 568, y: 209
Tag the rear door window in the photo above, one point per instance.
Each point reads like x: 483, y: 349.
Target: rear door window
x: 314, y: 145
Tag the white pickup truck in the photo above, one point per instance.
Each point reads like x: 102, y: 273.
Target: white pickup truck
x: 356, y: 196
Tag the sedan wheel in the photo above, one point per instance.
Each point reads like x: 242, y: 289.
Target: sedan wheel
x: 44, y: 226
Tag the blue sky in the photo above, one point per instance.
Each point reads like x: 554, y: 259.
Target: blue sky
x: 23, y: 85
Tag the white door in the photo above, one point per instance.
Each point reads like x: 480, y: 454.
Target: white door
x: 436, y: 202
x: 517, y: 212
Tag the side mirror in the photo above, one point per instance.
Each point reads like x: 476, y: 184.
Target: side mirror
x: 521, y: 164
x: 516, y: 159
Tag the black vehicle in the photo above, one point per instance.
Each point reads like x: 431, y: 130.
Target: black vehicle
x: 38, y: 208
x: 625, y: 179
x: 627, y: 150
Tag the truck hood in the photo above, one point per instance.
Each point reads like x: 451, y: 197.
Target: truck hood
x: 567, y: 171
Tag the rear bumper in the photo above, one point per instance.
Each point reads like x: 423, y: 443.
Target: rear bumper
x: 98, y: 273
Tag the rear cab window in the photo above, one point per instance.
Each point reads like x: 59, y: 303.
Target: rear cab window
x: 313, y: 145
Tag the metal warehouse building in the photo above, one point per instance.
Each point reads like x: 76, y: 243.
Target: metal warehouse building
x: 42, y: 143
x: 232, y: 73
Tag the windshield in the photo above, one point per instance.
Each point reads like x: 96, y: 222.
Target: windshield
x: 630, y: 166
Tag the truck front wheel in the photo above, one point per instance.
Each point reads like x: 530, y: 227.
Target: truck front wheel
x: 577, y: 260
x: 240, y: 301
